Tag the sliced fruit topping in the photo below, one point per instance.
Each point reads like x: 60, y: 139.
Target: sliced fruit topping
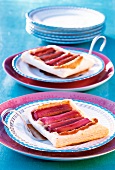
x: 42, y: 51
x: 61, y: 59
x: 50, y: 111
x: 72, y: 126
x: 60, y: 117
x: 90, y: 123
x: 66, y: 60
x: 54, y: 126
x: 49, y: 57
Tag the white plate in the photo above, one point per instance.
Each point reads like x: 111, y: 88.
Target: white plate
x: 62, y: 37
x: 64, y: 34
x: 18, y: 133
x: 65, y: 17
x: 28, y: 71
x: 54, y: 41
x: 67, y: 33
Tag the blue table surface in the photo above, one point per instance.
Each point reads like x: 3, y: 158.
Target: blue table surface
x: 14, y: 39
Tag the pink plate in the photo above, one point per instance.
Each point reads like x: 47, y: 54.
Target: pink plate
x: 13, y: 103
x: 80, y: 85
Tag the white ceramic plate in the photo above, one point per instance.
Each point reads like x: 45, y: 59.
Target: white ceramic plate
x: 65, y: 17
x: 64, y: 33
x: 18, y: 133
x: 59, y: 38
x: 36, y: 74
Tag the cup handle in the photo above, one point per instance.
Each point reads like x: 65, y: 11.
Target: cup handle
x: 6, y: 111
x: 94, y: 41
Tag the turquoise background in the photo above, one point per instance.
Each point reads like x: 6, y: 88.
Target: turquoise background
x: 14, y: 39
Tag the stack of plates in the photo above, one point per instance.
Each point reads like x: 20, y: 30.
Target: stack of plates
x: 65, y: 25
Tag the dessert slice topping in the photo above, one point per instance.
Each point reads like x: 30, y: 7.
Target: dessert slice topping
x: 53, y: 57
x: 62, y: 118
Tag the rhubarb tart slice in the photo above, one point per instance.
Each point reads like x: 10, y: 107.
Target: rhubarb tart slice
x: 58, y: 61
x: 63, y: 123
